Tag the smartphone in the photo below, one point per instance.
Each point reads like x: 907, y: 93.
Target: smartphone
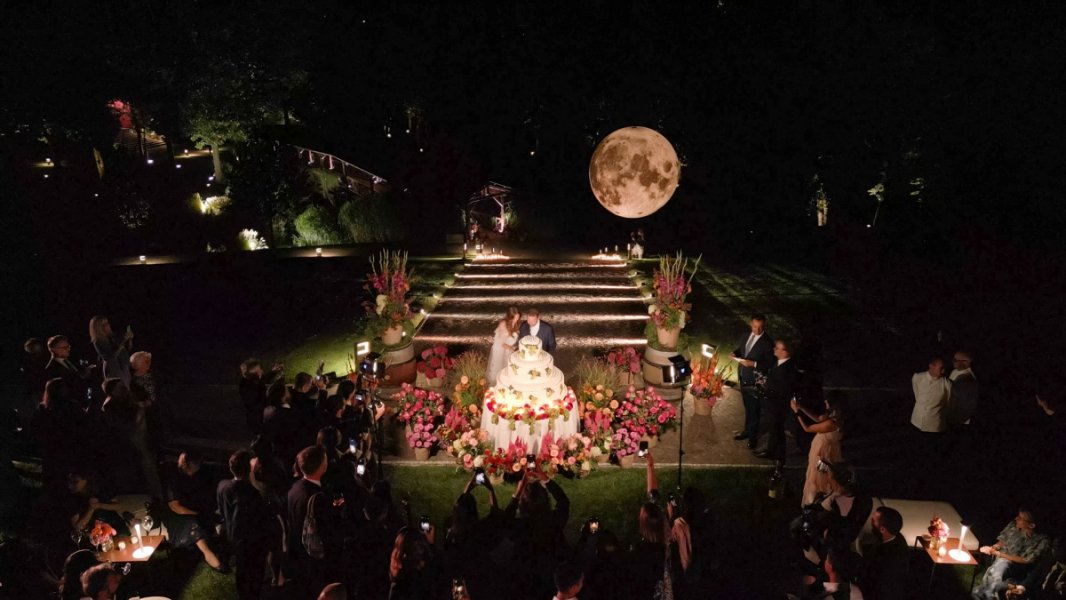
x: 458, y: 589
x: 643, y: 449
x: 351, y: 446
x: 425, y: 524
x: 594, y: 525
x: 360, y: 469
x: 479, y: 476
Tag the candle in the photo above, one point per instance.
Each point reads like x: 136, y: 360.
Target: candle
x: 121, y: 546
x: 942, y: 550
x: 962, y: 537
x: 140, y: 540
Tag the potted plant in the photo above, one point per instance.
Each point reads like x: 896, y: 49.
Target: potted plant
x: 419, y: 409
x: 598, y: 430
x: 706, y: 386
x: 668, y: 311
x: 625, y: 443
x: 435, y: 365
x: 389, y: 282
x: 469, y: 448
x: 626, y: 360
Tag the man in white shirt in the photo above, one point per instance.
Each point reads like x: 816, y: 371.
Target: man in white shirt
x: 932, y: 393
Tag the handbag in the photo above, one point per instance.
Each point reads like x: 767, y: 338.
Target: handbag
x: 310, y: 535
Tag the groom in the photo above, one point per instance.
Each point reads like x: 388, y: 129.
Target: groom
x: 541, y: 329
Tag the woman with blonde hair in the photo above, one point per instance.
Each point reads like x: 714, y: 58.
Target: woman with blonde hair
x: 114, y: 354
x: 503, y: 341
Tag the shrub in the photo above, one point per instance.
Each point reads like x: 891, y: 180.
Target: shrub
x: 373, y: 219
x: 316, y: 227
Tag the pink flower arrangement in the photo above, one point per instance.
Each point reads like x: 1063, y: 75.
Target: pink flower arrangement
x: 625, y: 441
x: 388, y: 282
x: 627, y: 359
x: 422, y: 434
x: 435, y: 362
x: 416, y: 404
x: 470, y: 448
x: 671, y: 289
x: 645, y: 412
x: 707, y: 381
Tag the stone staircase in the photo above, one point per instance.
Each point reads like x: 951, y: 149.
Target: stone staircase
x: 593, y: 305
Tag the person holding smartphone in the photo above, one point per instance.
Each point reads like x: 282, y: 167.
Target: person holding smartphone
x: 470, y: 538
x: 113, y: 353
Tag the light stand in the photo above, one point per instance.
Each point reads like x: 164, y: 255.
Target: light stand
x: 372, y: 371
x: 678, y: 371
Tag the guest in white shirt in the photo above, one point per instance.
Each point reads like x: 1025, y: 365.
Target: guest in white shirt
x: 569, y: 579
x: 932, y: 394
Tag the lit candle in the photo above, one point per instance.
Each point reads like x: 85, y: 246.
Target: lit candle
x: 121, y: 546
x: 942, y: 550
x: 143, y: 259
x: 318, y: 251
x: 140, y: 540
x: 962, y: 537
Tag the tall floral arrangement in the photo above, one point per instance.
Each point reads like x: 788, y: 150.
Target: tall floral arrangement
x: 389, y: 282
x: 671, y: 286
x: 707, y: 381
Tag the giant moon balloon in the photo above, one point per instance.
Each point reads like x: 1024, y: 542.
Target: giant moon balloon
x: 634, y: 172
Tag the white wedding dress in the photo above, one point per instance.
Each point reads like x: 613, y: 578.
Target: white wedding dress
x: 498, y: 355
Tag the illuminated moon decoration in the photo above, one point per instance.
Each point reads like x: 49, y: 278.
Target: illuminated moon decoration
x: 634, y: 172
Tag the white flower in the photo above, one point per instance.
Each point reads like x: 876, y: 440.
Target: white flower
x: 652, y: 309
x: 681, y: 321
x: 586, y: 466
x: 479, y: 461
x: 596, y: 451
x: 380, y: 303
x: 458, y: 444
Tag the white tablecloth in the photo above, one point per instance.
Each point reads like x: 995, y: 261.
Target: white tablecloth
x: 502, y: 436
x: 917, y: 514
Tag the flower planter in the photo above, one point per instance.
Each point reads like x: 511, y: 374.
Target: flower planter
x: 626, y: 461
x: 392, y: 335
x: 496, y: 479
x: 601, y: 459
x: 668, y: 337
x: 702, y: 407
x: 434, y: 382
x: 422, y: 454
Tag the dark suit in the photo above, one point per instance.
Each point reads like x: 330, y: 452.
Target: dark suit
x: 963, y: 404
x: 310, y: 572
x: 75, y: 377
x: 885, y: 570
x: 762, y: 352
x: 545, y: 333
x: 780, y: 384
x: 247, y: 520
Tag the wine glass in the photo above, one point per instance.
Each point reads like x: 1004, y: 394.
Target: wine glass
x: 77, y: 537
x: 147, y: 523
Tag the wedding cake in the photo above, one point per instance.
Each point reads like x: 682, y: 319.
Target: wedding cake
x: 530, y: 391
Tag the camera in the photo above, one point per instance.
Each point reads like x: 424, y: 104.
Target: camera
x: 424, y: 524
x: 823, y: 465
x: 643, y: 450
x: 594, y: 525
x: 479, y: 476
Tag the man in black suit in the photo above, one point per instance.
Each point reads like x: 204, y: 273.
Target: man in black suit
x: 780, y: 384
x: 542, y: 329
x: 755, y: 354
x: 307, y: 494
x: 60, y: 365
x: 885, y: 564
x: 247, y: 524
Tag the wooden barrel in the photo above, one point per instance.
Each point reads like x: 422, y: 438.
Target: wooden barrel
x: 652, y: 364
x: 400, y: 365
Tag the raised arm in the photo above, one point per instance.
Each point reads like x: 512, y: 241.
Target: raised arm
x: 652, y: 481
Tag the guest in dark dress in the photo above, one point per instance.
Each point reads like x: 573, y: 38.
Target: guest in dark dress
x: 253, y: 391
x: 57, y: 428
x: 114, y: 353
x: 131, y: 457
x: 191, y: 500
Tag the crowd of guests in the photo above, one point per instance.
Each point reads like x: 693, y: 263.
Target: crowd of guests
x: 304, y: 507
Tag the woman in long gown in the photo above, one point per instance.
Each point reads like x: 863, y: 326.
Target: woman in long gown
x: 828, y: 433
x: 503, y: 341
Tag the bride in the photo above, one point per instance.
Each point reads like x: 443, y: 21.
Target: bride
x: 503, y: 341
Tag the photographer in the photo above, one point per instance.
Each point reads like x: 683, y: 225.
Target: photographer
x: 414, y: 570
x: 538, y: 531
x: 657, y: 561
x: 470, y: 539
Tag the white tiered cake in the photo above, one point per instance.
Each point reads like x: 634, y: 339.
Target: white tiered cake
x: 530, y: 399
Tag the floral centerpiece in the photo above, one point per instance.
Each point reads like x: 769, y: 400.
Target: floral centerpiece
x: 458, y: 420
x: 938, y: 532
x: 707, y: 383
x: 509, y: 463
x: 435, y: 364
x: 626, y: 360
x: 422, y: 438
x: 389, y: 281
x: 470, y: 448
x: 669, y: 309
x: 576, y: 455
x: 101, y: 534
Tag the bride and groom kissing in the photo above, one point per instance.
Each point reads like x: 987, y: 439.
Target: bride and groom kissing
x: 512, y: 328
